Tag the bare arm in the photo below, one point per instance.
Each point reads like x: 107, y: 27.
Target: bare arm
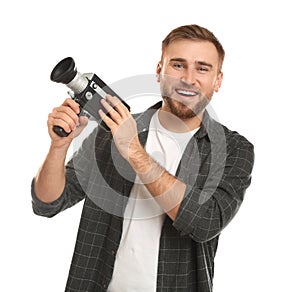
x: 167, y: 190
x: 50, y: 179
x: 164, y: 187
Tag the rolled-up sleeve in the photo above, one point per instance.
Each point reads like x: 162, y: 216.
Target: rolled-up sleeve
x: 71, y: 195
x: 46, y: 209
x: 205, y: 212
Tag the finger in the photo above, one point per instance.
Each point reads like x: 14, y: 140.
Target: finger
x: 66, y: 114
x: 112, y: 100
x: 106, y: 119
x: 106, y: 105
x: 67, y: 111
x: 60, y: 116
x: 114, y: 115
x: 70, y: 107
x: 60, y: 123
x: 82, y: 122
x: 117, y: 104
x: 72, y: 104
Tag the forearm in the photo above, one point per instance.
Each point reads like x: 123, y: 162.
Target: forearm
x: 50, y: 179
x: 167, y: 190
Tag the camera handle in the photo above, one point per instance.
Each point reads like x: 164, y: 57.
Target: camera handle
x: 60, y: 131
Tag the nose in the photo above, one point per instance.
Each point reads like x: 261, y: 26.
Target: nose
x: 188, y: 76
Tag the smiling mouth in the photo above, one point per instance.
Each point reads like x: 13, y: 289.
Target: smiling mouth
x: 186, y: 92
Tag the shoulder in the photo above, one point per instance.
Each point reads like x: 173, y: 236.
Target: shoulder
x: 240, y: 151
x: 231, y: 142
x: 217, y: 131
x: 235, y: 139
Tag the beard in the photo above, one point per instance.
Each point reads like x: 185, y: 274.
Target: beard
x: 181, y: 108
x: 183, y: 111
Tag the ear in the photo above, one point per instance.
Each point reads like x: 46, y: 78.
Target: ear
x: 218, y: 82
x: 158, y: 71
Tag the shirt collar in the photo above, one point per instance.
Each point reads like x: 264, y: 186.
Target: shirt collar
x: 143, y: 121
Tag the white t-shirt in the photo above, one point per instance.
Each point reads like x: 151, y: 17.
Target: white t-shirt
x: 136, y: 262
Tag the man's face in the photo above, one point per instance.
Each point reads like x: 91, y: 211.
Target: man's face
x: 189, y: 75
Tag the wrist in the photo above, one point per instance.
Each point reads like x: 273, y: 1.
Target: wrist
x: 145, y: 167
x: 138, y: 158
x: 58, y: 151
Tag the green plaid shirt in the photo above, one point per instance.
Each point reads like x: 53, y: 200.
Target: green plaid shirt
x: 216, y: 167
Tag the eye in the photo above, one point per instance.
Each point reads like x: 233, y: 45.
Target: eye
x: 203, y: 69
x: 177, y: 65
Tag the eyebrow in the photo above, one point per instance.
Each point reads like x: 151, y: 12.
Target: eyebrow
x: 197, y: 62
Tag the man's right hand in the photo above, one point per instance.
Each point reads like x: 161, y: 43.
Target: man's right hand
x: 66, y: 117
x: 50, y: 180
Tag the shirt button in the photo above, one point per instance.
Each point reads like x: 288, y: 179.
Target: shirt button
x: 113, y: 252
x: 104, y: 285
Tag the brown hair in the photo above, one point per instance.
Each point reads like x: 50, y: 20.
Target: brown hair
x: 196, y: 33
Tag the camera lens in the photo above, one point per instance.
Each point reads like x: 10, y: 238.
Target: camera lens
x: 64, y: 72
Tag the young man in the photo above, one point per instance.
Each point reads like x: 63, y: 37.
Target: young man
x: 159, y: 187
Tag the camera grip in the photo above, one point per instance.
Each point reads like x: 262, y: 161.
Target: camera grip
x: 60, y: 131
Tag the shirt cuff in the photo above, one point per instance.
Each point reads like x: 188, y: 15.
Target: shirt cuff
x: 45, y: 209
x: 185, y: 216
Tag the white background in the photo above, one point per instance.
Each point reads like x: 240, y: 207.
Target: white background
x: 259, y: 250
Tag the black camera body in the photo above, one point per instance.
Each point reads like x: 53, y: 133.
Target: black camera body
x: 87, y: 90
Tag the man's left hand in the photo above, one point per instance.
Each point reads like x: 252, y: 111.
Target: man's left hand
x: 122, y: 126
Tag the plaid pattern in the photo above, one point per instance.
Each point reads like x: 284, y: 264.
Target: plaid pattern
x: 216, y: 167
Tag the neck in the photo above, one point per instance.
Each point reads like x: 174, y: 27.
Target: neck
x: 174, y: 124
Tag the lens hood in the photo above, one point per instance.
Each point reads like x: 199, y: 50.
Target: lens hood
x: 64, y: 72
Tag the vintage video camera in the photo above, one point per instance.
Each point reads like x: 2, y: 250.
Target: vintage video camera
x: 87, y: 90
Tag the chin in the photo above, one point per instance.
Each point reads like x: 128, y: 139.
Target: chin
x: 182, y: 110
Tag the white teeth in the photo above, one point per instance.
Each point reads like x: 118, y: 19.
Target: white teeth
x: 188, y: 93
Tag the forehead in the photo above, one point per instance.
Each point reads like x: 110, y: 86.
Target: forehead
x: 192, y: 51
